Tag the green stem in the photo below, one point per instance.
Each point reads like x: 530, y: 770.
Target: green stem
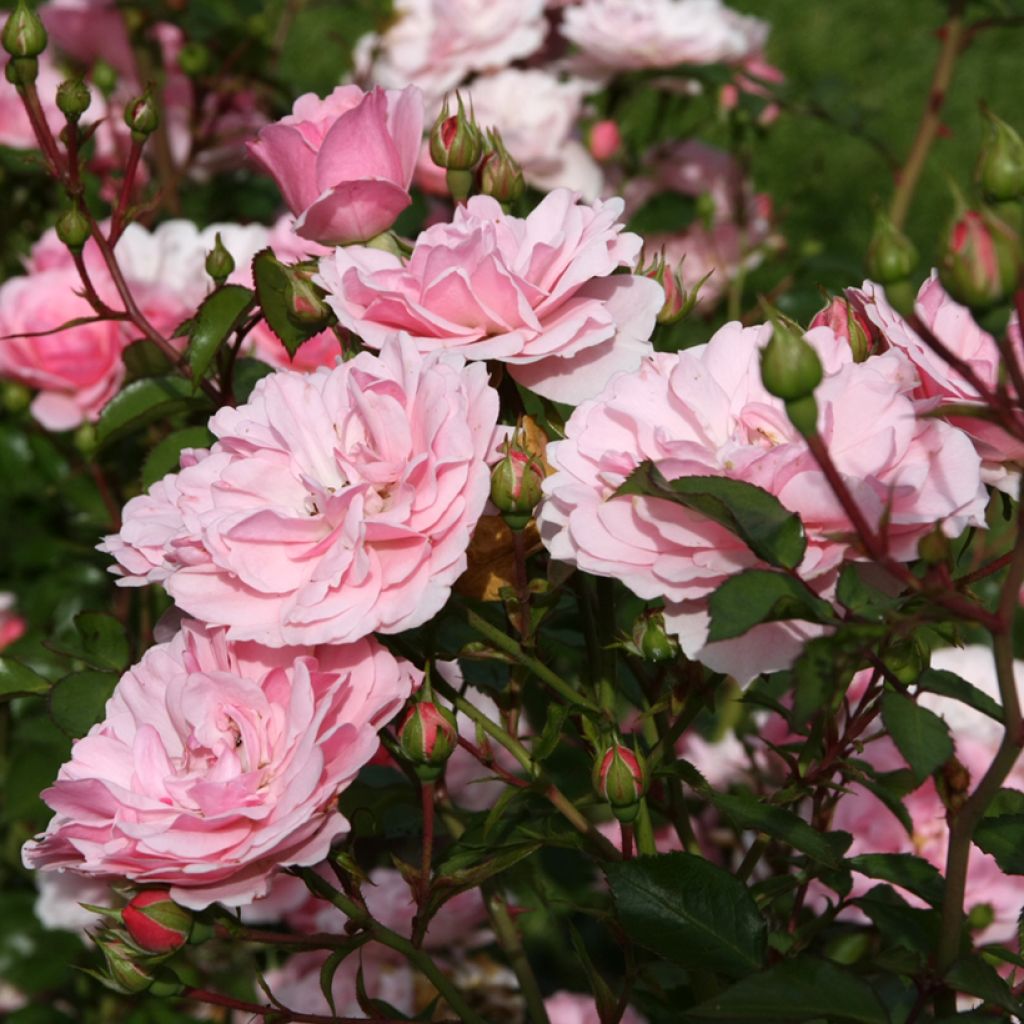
x: 644, y: 832
x: 606, y: 689
x: 511, y: 942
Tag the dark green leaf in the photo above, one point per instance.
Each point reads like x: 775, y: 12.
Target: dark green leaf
x: 248, y: 373
x: 800, y: 989
x: 143, y: 359
x: 546, y: 743
x: 17, y: 680
x: 759, y: 595
x: 859, y: 596
x: 218, y: 317
x: 103, y: 639
x: 271, y: 280
x: 78, y: 700
x: 905, y: 870
x: 949, y: 684
x: 689, y: 910
x: 1001, y: 832
x: 900, y: 923
x: 977, y: 977
x: 750, y: 812
x: 754, y: 515
x: 142, y: 402
x: 166, y: 456
x: 921, y: 736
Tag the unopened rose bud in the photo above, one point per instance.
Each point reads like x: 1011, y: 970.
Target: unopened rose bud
x: 220, y: 264
x: 155, y: 922
x: 980, y: 917
x: 891, y: 255
x: 128, y: 971
x: 21, y: 71
x: 194, y: 58
x: 73, y: 229
x: 73, y: 98
x: 142, y: 116
x: 23, y: 34
x: 906, y: 659
x: 456, y: 143
x: 16, y: 397
x: 305, y: 303
x: 679, y: 301
x: 982, y: 260
x: 427, y: 736
x: 1001, y: 162
x: 604, y: 140
x: 620, y: 778
x: 934, y: 548
x: 650, y: 638
x: 790, y: 368
x: 500, y: 175
x: 104, y: 77
x: 516, y: 482
x: 846, y: 323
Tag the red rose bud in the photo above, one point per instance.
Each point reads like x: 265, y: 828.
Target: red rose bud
x: 679, y: 302
x: 142, y: 117
x: 604, y: 140
x: 982, y: 260
x: 620, y: 778
x: 1001, y: 162
x: 790, y: 368
x: 73, y: 98
x: 456, y: 143
x: 516, y: 482
x: 155, y: 922
x: 651, y: 640
x: 891, y: 255
x: 305, y: 303
x: 846, y: 323
x: 220, y: 264
x: 23, y: 34
x: 427, y: 736
x: 500, y: 175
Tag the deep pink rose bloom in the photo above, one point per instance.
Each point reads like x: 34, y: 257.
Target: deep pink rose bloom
x: 344, y: 164
x: 218, y: 763
x: 333, y: 505
x: 705, y: 412
x: 941, y: 385
x: 538, y: 294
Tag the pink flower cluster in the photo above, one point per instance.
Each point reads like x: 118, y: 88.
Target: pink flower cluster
x: 705, y: 412
x: 217, y: 763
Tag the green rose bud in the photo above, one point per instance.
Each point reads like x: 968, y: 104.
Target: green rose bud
x: 1000, y: 169
x: 220, y: 264
x: 500, y: 175
x: 73, y: 98
x: 891, y: 255
x: 73, y: 229
x: 620, y: 778
x: 23, y: 34
x: 427, y: 736
x: 790, y: 368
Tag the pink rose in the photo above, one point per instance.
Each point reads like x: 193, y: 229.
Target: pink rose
x: 705, y: 412
x: 940, y: 384
x: 538, y: 294
x: 575, y: 1008
x: 333, y: 504
x: 344, y: 163
x: 622, y: 35
x: 12, y: 625
x: 218, y: 763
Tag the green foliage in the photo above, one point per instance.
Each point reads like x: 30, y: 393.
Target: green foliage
x: 757, y: 596
x: 921, y: 736
x: 218, y: 318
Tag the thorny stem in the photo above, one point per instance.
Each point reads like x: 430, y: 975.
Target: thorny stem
x: 931, y: 117
x: 202, y: 995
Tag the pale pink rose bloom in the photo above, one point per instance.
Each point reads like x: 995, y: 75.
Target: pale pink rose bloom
x: 344, y: 164
x: 537, y: 114
x: 575, y: 1008
x: 539, y: 294
x: 623, y: 35
x: 334, y: 504
x: 218, y: 763
x: 435, y: 44
x: 60, y: 899
x: 76, y: 370
x: 91, y: 30
x: 940, y: 384
x: 705, y: 412
x: 12, y: 625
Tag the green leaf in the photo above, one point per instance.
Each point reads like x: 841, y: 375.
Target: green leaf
x: 218, y: 317
x: 800, y: 989
x: 859, y: 596
x: 921, y: 736
x: 1001, y: 832
x: 905, y: 870
x: 551, y: 735
x: 689, y: 910
x: 949, y: 684
x: 18, y: 680
x: 144, y: 401
x: 759, y: 595
x: 248, y: 373
x: 977, y: 977
x: 271, y: 279
x: 900, y: 923
x: 77, y: 701
x: 166, y: 456
x: 754, y: 515
x: 750, y: 812
x: 103, y: 641
x: 142, y: 358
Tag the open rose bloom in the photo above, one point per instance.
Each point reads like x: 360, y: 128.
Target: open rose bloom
x: 219, y: 763
x: 705, y: 412
x: 333, y: 504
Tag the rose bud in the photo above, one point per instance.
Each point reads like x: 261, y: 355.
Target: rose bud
x: 620, y: 778
x: 847, y: 323
x: 516, y: 483
x: 790, y: 368
x: 127, y: 972
x: 679, y: 302
x: 1001, y: 162
x: 501, y: 177
x: 142, y: 117
x: 650, y: 638
x: 73, y: 229
x: 891, y: 255
x: 220, y: 264
x: 304, y: 302
x: 73, y: 98
x: 982, y: 260
x: 456, y: 144
x: 604, y: 140
x: 155, y: 922
x: 23, y: 35
x: 427, y: 736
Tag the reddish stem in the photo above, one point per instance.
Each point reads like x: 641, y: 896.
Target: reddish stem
x: 267, y: 1010
x: 426, y: 861
x: 47, y: 143
x: 627, y: 840
x: 117, y: 223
